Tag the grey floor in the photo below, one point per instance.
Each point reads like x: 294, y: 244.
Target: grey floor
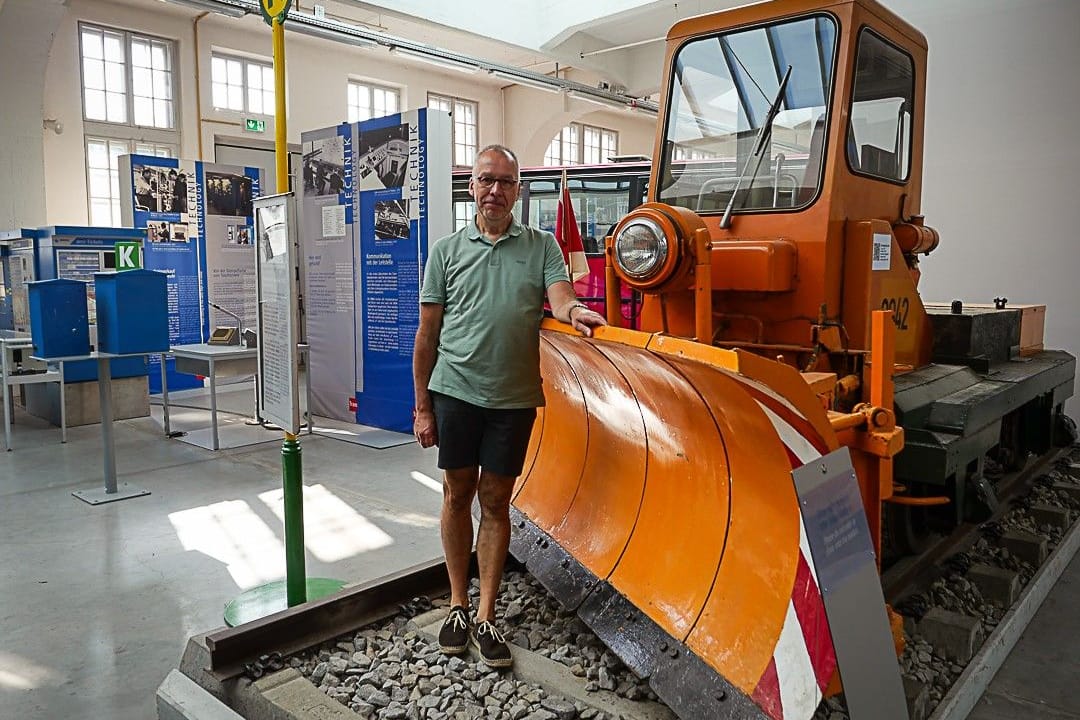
x: 1041, y: 676
x: 97, y: 602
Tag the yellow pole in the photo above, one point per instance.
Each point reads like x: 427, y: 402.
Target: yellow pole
x: 281, y: 147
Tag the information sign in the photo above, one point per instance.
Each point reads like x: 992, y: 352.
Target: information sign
x: 277, y: 289
x: 843, y: 554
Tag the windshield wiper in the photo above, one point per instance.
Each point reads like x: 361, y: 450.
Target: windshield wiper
x: 759, y: 147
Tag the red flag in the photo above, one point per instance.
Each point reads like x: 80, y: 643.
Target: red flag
x: 568, y: 234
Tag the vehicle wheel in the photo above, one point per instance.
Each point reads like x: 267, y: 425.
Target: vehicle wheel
x: 908, y: 529
x: 1064, y: 430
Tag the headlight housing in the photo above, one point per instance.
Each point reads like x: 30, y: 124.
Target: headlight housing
x: 641, y: 248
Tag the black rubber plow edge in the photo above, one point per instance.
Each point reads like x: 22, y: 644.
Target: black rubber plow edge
x: 685, y: 682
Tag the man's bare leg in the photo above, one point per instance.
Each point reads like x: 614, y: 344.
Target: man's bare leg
x: 493, y: 538
x: 459, y: 488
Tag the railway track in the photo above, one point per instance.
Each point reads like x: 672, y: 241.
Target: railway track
x: 911, y: 574
x: 379, y: 616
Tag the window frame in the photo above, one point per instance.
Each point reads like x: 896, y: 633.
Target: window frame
x: 831, y: 106
x: 865, y: 31
x: 246, y: 62
x: 116, y: 184
x: 370, y: 86
x: 129, y: 89
x: 454, y: 101
x: 579, y: 143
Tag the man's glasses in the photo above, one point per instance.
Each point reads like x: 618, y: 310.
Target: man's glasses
x: 486, y: 181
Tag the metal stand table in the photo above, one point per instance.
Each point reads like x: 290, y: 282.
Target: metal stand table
x: 211, y: 361
x: 111, y: 492
x: 11, y: 340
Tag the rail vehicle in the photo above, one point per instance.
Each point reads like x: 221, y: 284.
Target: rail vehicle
x: 777, y: 261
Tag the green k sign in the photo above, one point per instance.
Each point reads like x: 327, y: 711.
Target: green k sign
x: 128, y: 256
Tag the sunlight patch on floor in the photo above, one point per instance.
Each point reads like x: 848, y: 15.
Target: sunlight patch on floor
x: 333, y: 529
x: 18, y: 673
x: 427, y: 481
x: 232, y: 533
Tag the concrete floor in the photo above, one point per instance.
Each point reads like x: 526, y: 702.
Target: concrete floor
x: 97, y: 602
x: 1039, y: 678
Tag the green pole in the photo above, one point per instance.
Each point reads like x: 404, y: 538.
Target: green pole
x: 292, y: 479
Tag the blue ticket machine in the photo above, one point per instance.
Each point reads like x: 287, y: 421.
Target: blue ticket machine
x: 75, y: 252
x: 16, y: 270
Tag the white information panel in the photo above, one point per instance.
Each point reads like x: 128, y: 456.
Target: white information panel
x: 277, y: 288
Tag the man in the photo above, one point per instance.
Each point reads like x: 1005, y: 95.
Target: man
x: 476, y: 368
x: 145, y: 190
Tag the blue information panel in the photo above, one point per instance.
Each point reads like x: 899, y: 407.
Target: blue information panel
x: 166, y: 200
x: 197, y: 218
x: 375, y: 194
x: 389, y: 269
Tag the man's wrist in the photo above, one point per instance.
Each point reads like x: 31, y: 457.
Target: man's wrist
x: 573, y: 307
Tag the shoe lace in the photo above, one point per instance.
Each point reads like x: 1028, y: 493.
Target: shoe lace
x: 487, y: 628
x: 457, y: 620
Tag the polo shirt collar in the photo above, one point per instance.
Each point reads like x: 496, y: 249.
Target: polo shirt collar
x: 473, y: 231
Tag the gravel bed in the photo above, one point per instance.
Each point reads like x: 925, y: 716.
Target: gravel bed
x: 390, y: 672
x: 531, y: 618
x: 920, y: 662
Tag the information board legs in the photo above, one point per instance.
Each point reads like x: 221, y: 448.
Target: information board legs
x: 213, y: 408
x: 9, y: 400
x: 165, y: 396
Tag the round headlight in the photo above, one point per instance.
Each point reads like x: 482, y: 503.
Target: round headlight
x: 641, y: 248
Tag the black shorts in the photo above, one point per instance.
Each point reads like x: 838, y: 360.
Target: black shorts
x: 470, y: 435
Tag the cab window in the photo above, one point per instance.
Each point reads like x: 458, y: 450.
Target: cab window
x: 879, y: 135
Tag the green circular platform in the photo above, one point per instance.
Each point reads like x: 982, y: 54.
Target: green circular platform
x: 258, y: 602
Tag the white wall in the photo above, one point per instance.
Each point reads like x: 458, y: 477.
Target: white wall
x: 1002, y: 162
x: 533, y: 117
x: 26, y: 35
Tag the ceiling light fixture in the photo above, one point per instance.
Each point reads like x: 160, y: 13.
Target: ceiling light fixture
x: 326, y: 31
x: 553, y: 87
x: 598, y: 100
x: 436, y: 60
x: 221, y: 7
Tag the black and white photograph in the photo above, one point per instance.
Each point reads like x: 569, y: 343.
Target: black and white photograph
x: 160, y: 231
x: 392, y: 219
x: 159, y: 189
x: 383, y: 155
x: 324, y: 166
x: 237, y: 235
x: 228, y: 194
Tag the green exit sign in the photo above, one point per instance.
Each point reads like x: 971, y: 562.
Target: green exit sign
x: 254, y: 125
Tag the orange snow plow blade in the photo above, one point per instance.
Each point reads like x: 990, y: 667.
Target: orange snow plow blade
x: 657, y: 502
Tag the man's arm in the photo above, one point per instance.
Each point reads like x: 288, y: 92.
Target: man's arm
x: 566, y: 307
x: 424, y: 354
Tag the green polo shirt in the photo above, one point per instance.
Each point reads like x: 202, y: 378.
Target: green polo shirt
x: 493, y: 298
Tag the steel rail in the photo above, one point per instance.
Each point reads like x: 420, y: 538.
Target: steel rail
x: 309, y: 624
x: 908, y: 574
